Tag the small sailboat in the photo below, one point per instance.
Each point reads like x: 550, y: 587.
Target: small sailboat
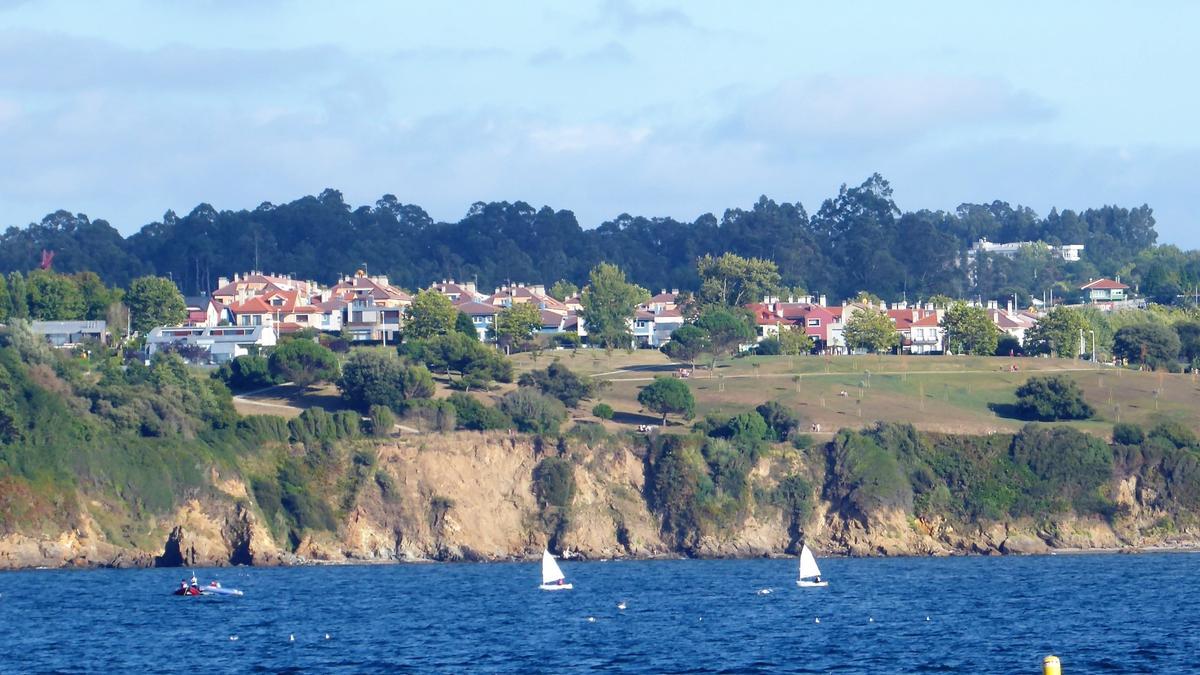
x: 810, y: 574
x: 552, y: 577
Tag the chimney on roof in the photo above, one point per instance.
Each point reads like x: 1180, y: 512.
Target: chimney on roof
x: 675, y: 291
x: 1010, y: 307
x: 663, y: 292
x: 992, y: 304
x: 821, y: 300
x: 222, y: 282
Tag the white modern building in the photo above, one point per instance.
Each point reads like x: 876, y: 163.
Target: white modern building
x: 224, y: 343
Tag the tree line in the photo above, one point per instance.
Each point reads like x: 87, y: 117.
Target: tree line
x: 859, y: 240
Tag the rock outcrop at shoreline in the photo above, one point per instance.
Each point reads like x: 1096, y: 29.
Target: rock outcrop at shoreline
x: 471, y: 496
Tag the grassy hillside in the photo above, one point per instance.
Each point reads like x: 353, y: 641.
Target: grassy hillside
x: 950, y: 394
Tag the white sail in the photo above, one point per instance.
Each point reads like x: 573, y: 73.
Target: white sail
x: 550, y: 571
x: 808, y: 564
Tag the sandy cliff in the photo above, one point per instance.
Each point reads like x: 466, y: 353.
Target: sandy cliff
x: 470, y: 496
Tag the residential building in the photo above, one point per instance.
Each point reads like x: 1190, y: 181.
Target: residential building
x: 70, y: 333
x: 224, y: 343
x: 1068, y: 252
x: 458, y: 292
x: 375, y: 309
x: 1099, y: 291
x: 254, y: 284
x: 483, y: 316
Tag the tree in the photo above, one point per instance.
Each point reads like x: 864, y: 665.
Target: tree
x: 5, y: 301
x: 609, y: 304
x: 477, y: 364
x: 558, y: 381
x: 18, y: 296
x: 727, y: 328
x: 153, y: 302
x: 1152, y: 344
x: 516, y: 323
x: 463, y: 324
x: 563, y: 289
x: 969, y: 330
x: 732, y: 280
x: 1189, y: 340
x: 54, y: 297
x: 1057, y: 333
x: 96, y: 296
x: 303, y: 362
x: 687, y: 343
x: 430, y: 313
x: 870, y: 330
x: 794, y: 341
x: 533, y: 412
x: 668, y: 396
x: 1050, y: 398
x: 373, y: 376
x: 246, y: 373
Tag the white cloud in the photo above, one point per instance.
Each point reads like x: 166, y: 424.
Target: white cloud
x: 878, y: 110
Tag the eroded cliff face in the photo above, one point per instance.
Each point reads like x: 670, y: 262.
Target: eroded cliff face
x: 470, y: 496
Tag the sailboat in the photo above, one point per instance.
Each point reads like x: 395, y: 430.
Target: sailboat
x: 552, y: 577
x: 810, y: 574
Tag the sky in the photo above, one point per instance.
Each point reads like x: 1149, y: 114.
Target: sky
x: 124, y: 109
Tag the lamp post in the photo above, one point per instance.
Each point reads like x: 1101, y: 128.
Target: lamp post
x: 1094, y: 364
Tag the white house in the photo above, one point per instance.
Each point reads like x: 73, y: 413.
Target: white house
x: 224, y: 343
x: 70, y: 333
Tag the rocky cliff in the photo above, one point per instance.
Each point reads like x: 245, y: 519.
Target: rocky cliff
x: 471, y: 496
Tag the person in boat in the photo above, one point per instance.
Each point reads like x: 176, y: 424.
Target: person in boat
x: 817, y: 579
x: 183, y: 587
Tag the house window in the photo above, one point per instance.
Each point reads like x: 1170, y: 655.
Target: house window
x: 814, y: 322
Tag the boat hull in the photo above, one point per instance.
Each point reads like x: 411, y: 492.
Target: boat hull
x: 556, y: 587
x: 812, y: 584
x: 210, y: 590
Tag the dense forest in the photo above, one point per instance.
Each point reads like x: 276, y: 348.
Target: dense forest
x: 857, y: 241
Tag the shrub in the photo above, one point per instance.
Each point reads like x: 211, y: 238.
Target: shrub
x: 554, y: 482
x: 473, y: 414
x: 382, y: 420
x: 769, y: 347
x: 1125, y: 433
x: 794, y: 495
x: 533, y: 412
x: 603, y: 410
x: 1175, y: 433
x: 1052, y: 397
x: 1067, y: 467
x: 432, y: 415
x: 780, y: 420
x: 246, y: 373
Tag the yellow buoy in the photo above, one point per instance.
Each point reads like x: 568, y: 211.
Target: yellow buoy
x: 1051, y: 666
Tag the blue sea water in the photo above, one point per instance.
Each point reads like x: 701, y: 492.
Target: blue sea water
x: 1098, y: 613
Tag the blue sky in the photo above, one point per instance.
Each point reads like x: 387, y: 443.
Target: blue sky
x: 121, y: 110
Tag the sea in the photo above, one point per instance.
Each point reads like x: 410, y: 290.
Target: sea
x: 1096, y: 612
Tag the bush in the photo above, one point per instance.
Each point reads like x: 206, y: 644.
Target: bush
x: 1008, y: 345
x: 246, y: 373
x: 432, y: 415
x: 867, y: 475
x: 769, y: 347
x: 667, y: 395
x: 1125, y: 433
x: 474, y: 415
x: 554, y: 482
x: 1153, y: 344
x: 1052, y: 397
x: 603, y: 410
x: 1067, y: 468
x: 533, y: 412
x: 794, y: 495
x: 781, y: 420
x: 382, y: 420
x: 1175, y: 433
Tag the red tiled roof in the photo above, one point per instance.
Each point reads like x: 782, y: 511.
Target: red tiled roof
x: 1102, y: 284
x: 254, y: 305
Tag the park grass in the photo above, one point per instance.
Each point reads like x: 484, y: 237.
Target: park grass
x: 952, y: 394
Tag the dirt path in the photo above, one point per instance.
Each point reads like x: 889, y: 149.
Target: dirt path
x: 710, y: 376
